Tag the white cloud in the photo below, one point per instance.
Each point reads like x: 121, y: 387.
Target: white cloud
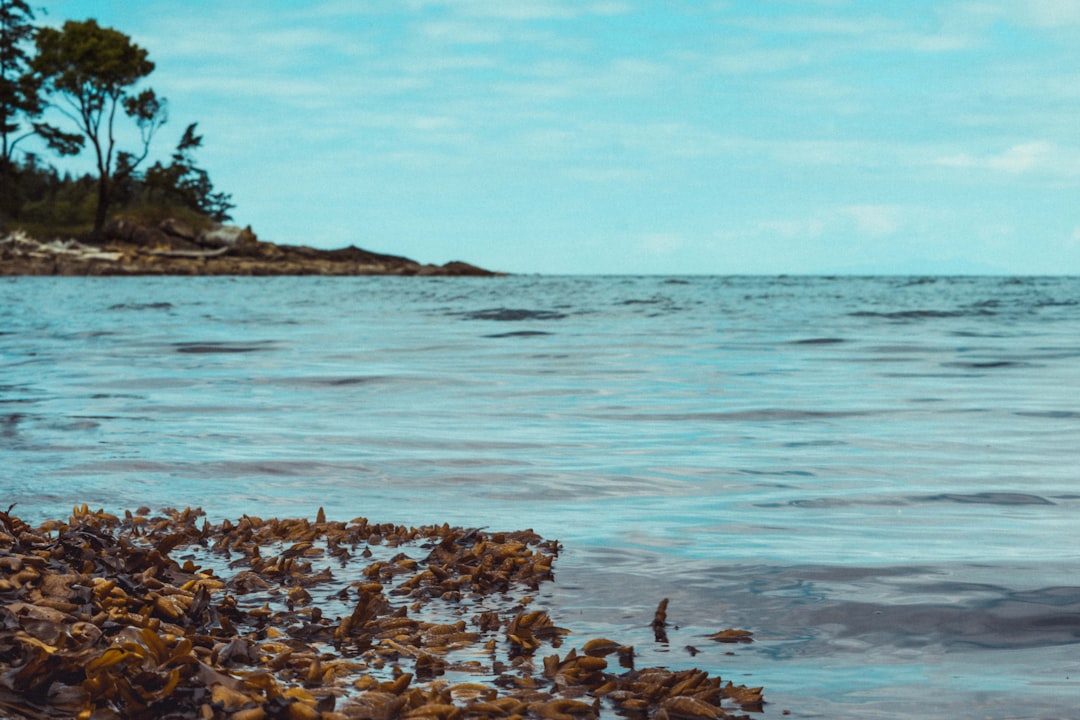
x: 1052, y: 13
x: 865, y: 32
x: 874, y: 220
x: 819, y: 25
x: 933, y: 42
x: 1020, y: 158
x: 606, y: 174
x: 979, y: 15
x: 753, y: 61
x: 461, y: 32
x: 523, y: 10
x: 790, y: 228
x: 841, y: 222
x: 553, y: 80
x: 665, y: 243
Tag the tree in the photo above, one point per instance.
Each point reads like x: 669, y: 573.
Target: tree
x: 189, y: 184
x: 19, y: 93
x: 93, y: 71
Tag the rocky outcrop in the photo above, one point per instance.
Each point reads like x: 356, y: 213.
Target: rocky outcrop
x: 175, y: 248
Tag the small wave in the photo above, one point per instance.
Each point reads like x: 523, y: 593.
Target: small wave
x: 924, y: 314
x: 518, y: 333
x: 973, y: 334
x: 819, y: 341
x: 1054, y: 596
x: 511, y: 314
x: 330, y: 381
x: 1055, y: 303
x: 344, y: 381
x: 986, y: 365
x: 762, y: 415
x: 655, y: 300
x: 988, y: 498
x: 998, y: 623
x: 777, y: 473
x: 76, y: 425
x: 210, y: 347
x: 829, y: 503
x: 89, y: 335
x: 142, y: 306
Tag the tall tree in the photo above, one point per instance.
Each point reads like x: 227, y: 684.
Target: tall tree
x: 182, y: 180
x: 93, y: 72
x: 19, y: 92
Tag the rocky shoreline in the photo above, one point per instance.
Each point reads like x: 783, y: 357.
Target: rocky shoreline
x: 174, y: 248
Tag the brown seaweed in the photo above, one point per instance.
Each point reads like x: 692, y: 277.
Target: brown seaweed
x: 659, y: 622
x: 169, y: 616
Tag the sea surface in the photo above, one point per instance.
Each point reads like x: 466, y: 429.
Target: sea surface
x: 878, y: 477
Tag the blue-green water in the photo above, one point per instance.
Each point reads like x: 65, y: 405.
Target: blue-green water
x: 878, y: 477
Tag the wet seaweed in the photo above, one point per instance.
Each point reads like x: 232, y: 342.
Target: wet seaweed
x: 169, y: 616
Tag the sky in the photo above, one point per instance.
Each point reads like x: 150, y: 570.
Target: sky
x: 634, y: 136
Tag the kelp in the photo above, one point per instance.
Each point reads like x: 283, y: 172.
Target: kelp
x: 166, y: 615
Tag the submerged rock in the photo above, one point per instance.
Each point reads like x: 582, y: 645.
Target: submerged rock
x: 169, y: 616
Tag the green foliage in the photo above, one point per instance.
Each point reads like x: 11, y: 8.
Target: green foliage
x: 53, y: 204
x: 64, y: 204
x: 92, y: 71
x: 153, y: 215
x: 181, y: 181
x: 93, y: 65
x: 19, y: 95
x: 58, y: 140
x: 19, y: 87
x: 88, y: 76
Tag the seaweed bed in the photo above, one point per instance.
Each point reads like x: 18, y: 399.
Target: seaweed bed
x: 164, y: 616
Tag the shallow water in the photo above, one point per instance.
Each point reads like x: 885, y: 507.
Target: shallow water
x: 875, y: 476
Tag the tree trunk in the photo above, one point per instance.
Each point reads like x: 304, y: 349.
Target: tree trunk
x: 102, y: 203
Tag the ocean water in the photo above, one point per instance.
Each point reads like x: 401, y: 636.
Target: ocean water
x: 879, y: 477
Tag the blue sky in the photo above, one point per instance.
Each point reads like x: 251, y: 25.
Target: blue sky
x: 628, y: 136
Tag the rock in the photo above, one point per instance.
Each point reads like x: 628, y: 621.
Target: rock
x: 120, y: 229
x: 134, y: 233
x: 225, y: 235
x: 131, y: 248
x: 457, y: 267
x: 178, y: 228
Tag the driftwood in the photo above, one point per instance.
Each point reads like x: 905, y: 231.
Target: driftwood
x: 187, y: 253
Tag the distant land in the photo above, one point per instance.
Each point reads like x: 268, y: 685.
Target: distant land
x: 173, y: 247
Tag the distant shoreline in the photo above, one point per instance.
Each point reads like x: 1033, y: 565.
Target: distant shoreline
x: 172, y: 249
